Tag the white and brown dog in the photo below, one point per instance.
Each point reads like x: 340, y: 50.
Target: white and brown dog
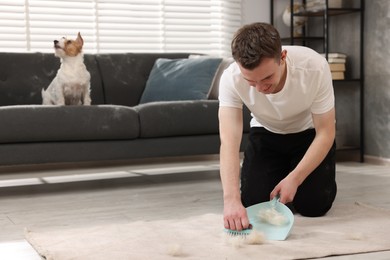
x: 71, y: 86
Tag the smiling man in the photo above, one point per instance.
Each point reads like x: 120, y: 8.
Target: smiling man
x: 291, y: 148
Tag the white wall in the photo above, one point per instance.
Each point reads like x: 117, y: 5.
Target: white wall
x: 255, y: 11
x: 259, y: 11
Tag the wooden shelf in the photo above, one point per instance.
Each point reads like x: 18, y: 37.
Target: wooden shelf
x: 303, y: 38
x: 347, y: 148
x: 347, y: 80
x: 331, y: 12
x: 310, y: 38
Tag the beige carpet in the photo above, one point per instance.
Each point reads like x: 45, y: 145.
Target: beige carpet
x: 346, y: 229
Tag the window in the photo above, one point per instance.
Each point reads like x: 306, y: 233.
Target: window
x: 107, y: 26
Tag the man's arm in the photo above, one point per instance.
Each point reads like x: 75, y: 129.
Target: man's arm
x: 230, y: 129
x: 324, y: 125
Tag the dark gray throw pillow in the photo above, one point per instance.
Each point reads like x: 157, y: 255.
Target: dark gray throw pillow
x: 180, y: 79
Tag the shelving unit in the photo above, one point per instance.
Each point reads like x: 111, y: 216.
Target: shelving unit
x: 317, y: 34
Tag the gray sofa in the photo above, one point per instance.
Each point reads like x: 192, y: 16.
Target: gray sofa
x: 114, y: 127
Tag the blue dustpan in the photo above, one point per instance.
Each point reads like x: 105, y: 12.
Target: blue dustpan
x: 271, y: 232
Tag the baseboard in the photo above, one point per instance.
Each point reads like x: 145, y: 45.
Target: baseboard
x: 113, y: 163
x: 376, y: 160
x: 347, y: 155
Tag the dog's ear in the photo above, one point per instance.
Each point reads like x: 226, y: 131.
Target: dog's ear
x: 79, y: 40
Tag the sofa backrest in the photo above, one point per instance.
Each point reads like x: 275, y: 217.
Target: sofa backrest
x: 124, y: 75
x: 23, y: 75
x: 118, y: 78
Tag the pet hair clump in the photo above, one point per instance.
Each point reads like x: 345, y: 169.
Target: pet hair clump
x: 175, y: 250
x: 272, y: 216
x: 234, y: 241
x: 238, y: 241
x: 255, y: 238
x: 355, y: 236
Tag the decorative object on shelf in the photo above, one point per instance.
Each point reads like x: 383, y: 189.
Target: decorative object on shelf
x: 318, y: 5
x: 299, y: 21
x: 315, y: 5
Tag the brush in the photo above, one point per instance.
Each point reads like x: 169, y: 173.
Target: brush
x: 271, y: 231
x: 242, y: 233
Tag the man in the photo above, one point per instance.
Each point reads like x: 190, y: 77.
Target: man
x: 291, y: 149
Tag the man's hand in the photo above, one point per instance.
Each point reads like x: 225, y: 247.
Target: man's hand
x: 287, y: 188
x: 235, y: 216
x: 319, y: 148
x: 230, y: 130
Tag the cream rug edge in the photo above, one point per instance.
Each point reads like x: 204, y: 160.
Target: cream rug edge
x: 346, y: 229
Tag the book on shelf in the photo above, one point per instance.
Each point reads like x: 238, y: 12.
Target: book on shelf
x: 338, y: 75
x: 336, y: 60
x: 335, y: 55
x: 337, y: 66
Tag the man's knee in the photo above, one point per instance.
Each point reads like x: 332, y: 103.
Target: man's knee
x: 315, y: 205
x: 312, y: 210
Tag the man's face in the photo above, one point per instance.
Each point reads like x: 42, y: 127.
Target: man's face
x: 266, y: 77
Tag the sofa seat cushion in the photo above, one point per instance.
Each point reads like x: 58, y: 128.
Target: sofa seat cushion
x: 36, y: 123
x: 178, y: 118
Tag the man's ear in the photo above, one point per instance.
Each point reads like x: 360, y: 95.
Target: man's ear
x: 283, y: 55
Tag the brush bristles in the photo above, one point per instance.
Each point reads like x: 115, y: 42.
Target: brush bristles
x: 237, y: 233
x: 239, y: 239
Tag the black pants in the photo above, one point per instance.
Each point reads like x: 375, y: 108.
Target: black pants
x: 270, y: 157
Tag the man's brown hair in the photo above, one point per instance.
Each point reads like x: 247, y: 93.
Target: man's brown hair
x: 254, y: 42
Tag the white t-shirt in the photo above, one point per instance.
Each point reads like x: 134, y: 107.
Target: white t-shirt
x: 308, y: 89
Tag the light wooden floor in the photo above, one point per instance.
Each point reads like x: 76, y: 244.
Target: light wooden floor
x: 49, y: 198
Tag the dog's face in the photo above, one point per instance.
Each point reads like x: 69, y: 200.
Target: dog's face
x: 66, y: 47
